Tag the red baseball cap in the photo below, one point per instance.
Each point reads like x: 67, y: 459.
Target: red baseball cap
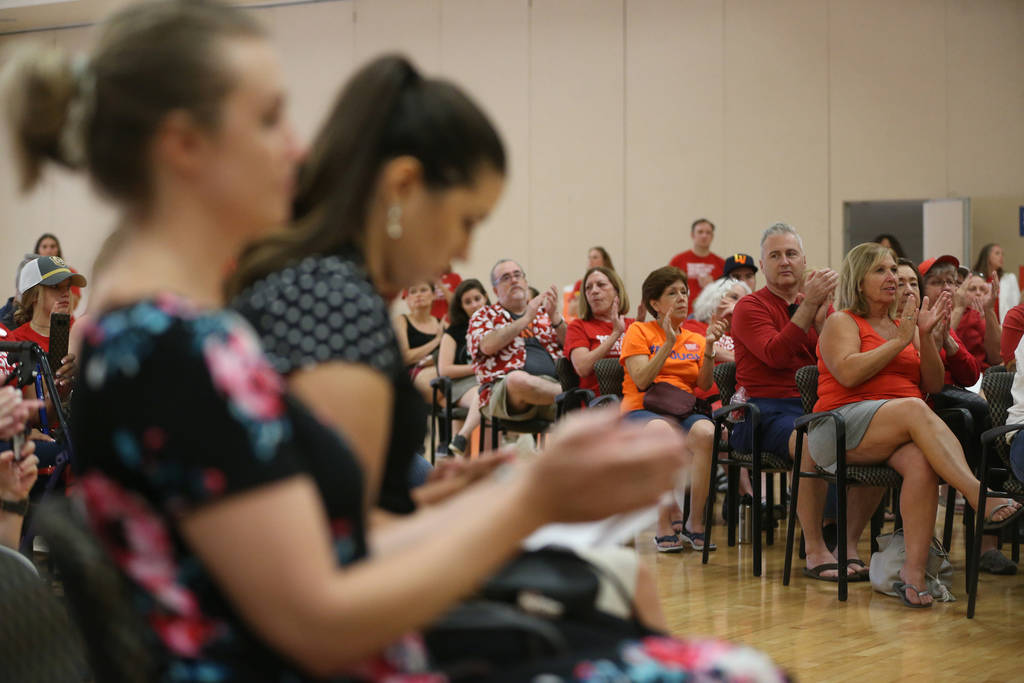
x: 927, y: 264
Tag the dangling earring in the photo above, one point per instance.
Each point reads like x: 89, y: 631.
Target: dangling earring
x: 394, y: 227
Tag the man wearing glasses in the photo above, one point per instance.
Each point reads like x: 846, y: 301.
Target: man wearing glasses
x: 514, y: 345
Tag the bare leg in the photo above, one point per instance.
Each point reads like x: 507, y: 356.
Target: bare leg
x: 906, y: 420
x: 471, y: 401
x: 699, y: 441
x: 919, y: 501
x: 422, y: 383
x: 861, y: 503
x: 525, y: 390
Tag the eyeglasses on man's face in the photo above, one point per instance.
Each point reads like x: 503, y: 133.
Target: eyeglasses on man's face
x: 509, y: 277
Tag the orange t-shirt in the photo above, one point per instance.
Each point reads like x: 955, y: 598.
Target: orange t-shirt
x: 680, y: 369
x: 901, y: 378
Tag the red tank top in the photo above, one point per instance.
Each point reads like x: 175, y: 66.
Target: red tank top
x: 901, y: 378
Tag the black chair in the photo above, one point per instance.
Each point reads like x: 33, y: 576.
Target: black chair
x: 443, y: 415
x: 118, y: 644
x: 756, y: 461
x: 845, y: 475
x: 37, y: 641
x: 572, y: 396
x: 610, y: 375
x: 994, y: 467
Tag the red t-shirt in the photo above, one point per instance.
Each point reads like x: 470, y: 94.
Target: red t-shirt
x: 1013, y: 330
x: 694, y: 266
x: 26, y: 333
x: 439, y: 309
x: 769, y: 347
x: 972, y: 331
x: 589, y: 334
x: 680, y: 369
x: 901, y: 378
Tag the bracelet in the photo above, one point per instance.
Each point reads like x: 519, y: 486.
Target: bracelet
x: 17, y: 507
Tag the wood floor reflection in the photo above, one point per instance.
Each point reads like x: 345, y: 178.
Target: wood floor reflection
x: 871, y: 637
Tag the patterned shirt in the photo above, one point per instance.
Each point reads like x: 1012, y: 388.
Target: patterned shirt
x: 490, y: 369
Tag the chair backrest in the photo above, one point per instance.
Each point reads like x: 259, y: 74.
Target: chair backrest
x: 996, y: 368
x: 725, y: 378
x: 118, y: 644
x: 37, y: 642
x: 807, y: 383
x: 996, y: 387
x: 567, y: 376
x: 609, y: 376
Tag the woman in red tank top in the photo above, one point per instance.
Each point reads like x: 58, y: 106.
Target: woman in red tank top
x: 874, y: 363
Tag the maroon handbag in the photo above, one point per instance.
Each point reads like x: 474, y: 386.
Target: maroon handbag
x: 669, y: 400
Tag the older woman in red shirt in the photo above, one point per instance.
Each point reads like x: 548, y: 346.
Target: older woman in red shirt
x: 597, y: 333
x: 874, y: 363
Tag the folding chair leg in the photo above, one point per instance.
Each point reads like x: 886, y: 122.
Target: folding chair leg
x: 947, y: 524
x: 732, y: 497
x: 877, y: 522
x: 755, y: 511
x: 791, y: 521
x: 709, y: 506
x: 974, y: 555
x: 841, y: 522
x: 770, y: 494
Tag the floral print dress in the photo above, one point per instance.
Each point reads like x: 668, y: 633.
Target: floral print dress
x: 176, y: 409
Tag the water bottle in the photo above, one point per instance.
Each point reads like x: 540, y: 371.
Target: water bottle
x: 746, y: 523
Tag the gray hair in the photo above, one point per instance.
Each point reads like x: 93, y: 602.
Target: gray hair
x: 707, y: 301
x: 781, y: 229
x: 494, y: 283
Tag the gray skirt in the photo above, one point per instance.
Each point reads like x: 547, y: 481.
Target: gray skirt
x: 821, y: 436
x: 461, y: 385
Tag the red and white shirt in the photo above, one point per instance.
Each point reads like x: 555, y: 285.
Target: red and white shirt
x: 490, y: 369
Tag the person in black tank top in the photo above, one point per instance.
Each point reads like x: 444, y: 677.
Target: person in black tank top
x: 419, y: 335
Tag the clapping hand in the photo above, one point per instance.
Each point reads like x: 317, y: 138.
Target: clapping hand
x: 820, y: 284
x: 716, y: 331
x: 618, y: 321
x: 18, y: 476
x: 933, y: 314
x: 669, y: 329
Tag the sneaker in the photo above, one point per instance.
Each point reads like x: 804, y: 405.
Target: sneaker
x: 458, y: 445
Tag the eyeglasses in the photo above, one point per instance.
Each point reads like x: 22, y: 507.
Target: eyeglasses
x: 948, y: 282
x: 509, y: 277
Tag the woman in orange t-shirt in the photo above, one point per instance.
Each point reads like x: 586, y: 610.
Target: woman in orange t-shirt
x: 874, y: 363
x: 660, y: 351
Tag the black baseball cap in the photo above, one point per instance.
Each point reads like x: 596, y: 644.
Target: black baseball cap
x: 738, y: 261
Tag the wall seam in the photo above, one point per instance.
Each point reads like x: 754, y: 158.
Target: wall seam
x: 828, y: 128
x: 625, y: 132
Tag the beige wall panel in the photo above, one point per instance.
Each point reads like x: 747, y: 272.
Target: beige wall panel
x: 485, y: 49
x: 887, y: 103
x: 776, y: 124
x: 412, y: 27
x: 674, y: 129
x: 22, y: 217
x: 986, y: 125
x: 317, y: 48
x: 576, y: 136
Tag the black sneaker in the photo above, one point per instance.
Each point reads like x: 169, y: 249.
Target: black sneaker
x: 458, y: 445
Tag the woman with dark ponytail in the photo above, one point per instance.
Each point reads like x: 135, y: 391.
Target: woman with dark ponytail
x: 404, y: 170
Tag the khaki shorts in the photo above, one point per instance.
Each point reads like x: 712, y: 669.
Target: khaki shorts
x: 497, y: 405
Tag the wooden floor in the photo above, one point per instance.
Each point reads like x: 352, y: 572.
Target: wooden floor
x: 870, y: 638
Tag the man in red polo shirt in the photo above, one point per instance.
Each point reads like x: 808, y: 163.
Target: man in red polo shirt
x: 700, y: 265
x: 775, y: 331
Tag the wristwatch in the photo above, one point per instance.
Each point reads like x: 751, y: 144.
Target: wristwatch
x: 17, y: 507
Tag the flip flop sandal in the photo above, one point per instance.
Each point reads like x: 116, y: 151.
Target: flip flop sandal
x: 677, y: 523
x: 862, y: 574
x: 992, y: 525
x: 994, y: 562
x: 901, y: 590
x: 671, y: 538
x: 815, y: 572
x: 695, y: 540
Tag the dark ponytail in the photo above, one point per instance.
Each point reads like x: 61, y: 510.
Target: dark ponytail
x: 385, y: 111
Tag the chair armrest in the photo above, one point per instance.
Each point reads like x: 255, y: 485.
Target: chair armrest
x: 606, y: 399
x: 572, y: 399
x: 724, y: 411
x: 992, y: 434
x: 803, y: 421
x: 962, y: 414
x: 440, y: 382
